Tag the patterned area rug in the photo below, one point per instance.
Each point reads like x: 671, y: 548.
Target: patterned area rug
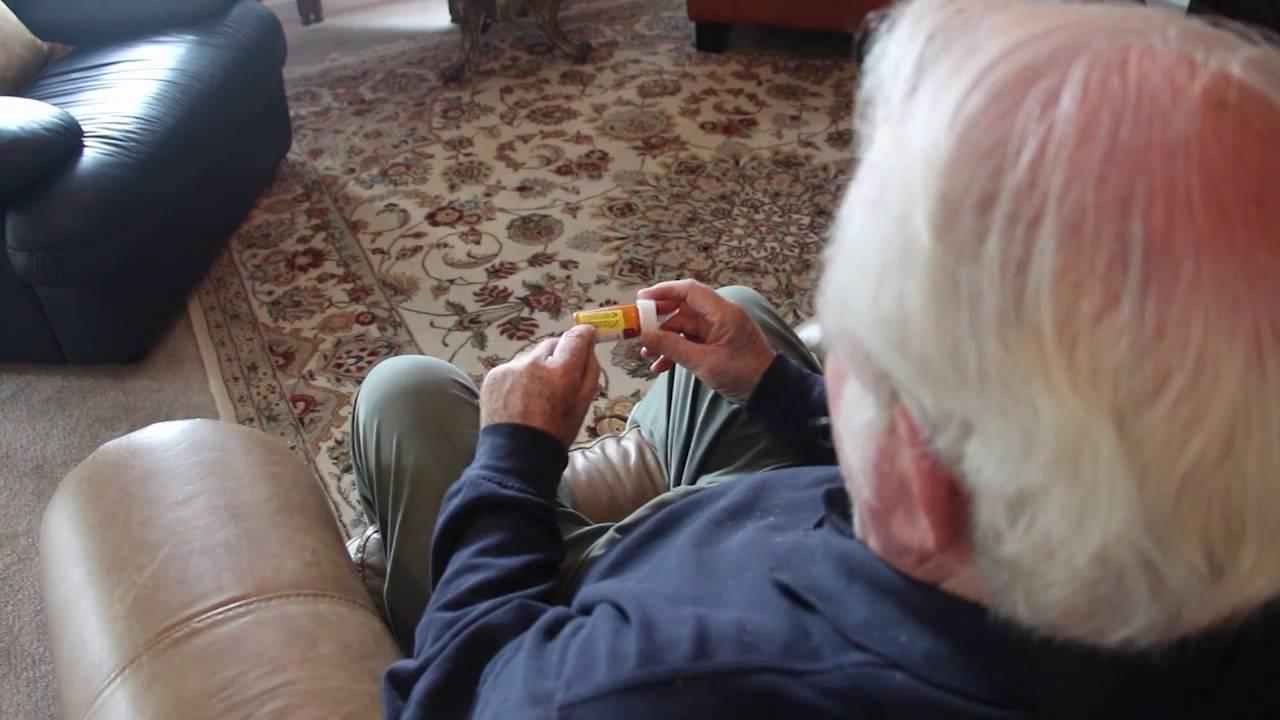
x: 467, y: 222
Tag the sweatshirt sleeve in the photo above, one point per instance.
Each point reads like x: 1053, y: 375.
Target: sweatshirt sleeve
x: 494, y: 561
x: 792, y: 402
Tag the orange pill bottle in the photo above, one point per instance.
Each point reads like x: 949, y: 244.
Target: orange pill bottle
x: 621, y: 322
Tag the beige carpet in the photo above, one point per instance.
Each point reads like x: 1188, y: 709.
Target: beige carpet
x: 52, y: 418
x: 469, y: 221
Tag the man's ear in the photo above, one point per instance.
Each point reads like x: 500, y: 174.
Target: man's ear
x: 941, y: 500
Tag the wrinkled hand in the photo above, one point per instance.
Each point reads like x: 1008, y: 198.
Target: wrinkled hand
x: 711, y: 336
x: 549, y: 388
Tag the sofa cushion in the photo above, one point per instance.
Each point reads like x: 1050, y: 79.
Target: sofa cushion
x: 34, y: 138
x: 22, y: 55
x: 157, y: 114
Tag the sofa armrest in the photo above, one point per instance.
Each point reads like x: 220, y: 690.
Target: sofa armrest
x: 193, y: 570
x: 35, y: 138
x: 94, y: 22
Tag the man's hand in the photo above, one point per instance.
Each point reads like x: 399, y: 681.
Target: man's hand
x: 711, y: 336
x: 548, y: 388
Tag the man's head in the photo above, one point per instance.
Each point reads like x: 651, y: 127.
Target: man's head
x: 1052, y: 303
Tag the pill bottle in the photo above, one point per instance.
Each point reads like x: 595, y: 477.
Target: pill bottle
x: 622, y: 322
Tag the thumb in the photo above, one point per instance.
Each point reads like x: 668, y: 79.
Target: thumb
x: 675, y: 347
x: 590, y: 380
x: 574, y: 347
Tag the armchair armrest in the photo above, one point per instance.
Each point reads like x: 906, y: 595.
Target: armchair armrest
x: 94, y: 22
x: 193, y: 570
x: 35, y: 138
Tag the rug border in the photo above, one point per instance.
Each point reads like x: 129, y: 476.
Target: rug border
x: 209, y: 359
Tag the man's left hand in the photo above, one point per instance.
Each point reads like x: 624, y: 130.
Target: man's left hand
x: 549, y: 388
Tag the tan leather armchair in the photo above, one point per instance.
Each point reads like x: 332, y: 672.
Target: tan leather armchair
x: 193, y: 570
x: 715, y: 17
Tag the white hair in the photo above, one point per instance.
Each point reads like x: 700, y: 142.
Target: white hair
x: 1058, y: 255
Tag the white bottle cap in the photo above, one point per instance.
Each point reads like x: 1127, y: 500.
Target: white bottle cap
x: 648, y: 315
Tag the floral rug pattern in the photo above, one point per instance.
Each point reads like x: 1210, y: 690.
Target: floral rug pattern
x: 470, y: 221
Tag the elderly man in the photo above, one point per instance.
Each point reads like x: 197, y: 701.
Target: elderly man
x: 1052, y: 306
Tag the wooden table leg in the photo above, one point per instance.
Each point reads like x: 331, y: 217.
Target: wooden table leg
x: 547, y: 13
x: 475, y: 17
x: 311, y: 11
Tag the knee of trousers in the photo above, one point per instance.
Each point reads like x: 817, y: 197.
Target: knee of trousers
x: 410, y: 388
x: 752, y: 301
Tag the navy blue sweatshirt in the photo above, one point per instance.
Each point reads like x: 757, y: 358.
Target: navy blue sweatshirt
x: 753, y: 599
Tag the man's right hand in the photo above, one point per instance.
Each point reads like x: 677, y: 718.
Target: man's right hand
x: 712, y: 337
x: 549, y: 388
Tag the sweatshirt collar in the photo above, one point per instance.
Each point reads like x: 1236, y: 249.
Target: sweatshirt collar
x: 963, y: 648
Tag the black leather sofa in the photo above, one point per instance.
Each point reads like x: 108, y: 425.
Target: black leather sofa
x: 145, y: 150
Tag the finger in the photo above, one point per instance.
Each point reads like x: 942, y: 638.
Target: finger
x: 675, y: 290
x: 661, y: 365
x: 675, y: 294
x: 676, y: 348
x: 653, y: 355
x: 547, y: 347
x: 590, y: 380
x: 667, y: 296
x: 666, y: 307
x: 542, y: 349
x: 575, y: 347
x: 684, y: 324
